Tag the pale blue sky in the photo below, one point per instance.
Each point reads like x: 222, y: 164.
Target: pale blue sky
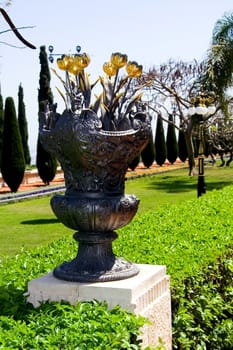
x: 148, y: 31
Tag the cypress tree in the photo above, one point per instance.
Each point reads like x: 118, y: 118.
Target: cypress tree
x: 148, y: 153
x: 182, y: 147
x: 23, y: 127
x: 1, y: 127
x: 160, y: 144
x: 45, y: 162
x: 45, y: 92
x: 171, y: 142
x: 133, y: 165
x: 13, y: 163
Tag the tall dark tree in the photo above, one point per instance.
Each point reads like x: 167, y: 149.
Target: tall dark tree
x: 148, y: 153
x: 171, y: 141
x: 182, y: 148
x: 133, y: 165
x: 13, y: 163
x: 160, y: 143
x: 45, y: 162
x: 45, y: 92
x: 23, y: 127
x: 1, y: 127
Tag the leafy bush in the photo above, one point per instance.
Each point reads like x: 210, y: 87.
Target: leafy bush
x: 86, y: 326
x: 202, y: 308
x: 188, y: 238
x: 184, y: 237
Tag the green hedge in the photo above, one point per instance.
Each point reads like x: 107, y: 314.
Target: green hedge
x: 193, y: 239
x: 202, y: 308
x: 183, y: 237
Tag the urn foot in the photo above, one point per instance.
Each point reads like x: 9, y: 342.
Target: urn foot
x: 95, y: 261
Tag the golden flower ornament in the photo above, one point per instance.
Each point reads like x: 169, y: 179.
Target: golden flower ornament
x: 109, y: 69
x: 133, y: 69
x: 118, y: 60
x: 119, y: 99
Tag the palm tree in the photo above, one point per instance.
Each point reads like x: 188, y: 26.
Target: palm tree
x: 219, y: 65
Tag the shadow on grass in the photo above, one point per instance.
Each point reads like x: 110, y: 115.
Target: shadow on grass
x: 40, y: 221
x: 174, y: 186
x: 217, y: 185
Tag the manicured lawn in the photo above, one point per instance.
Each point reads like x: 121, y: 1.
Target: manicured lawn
x: 32, y: 223
x: 176, y: 186
x: 28, y: 224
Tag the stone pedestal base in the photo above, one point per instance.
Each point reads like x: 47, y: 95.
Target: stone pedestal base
x: 147, y: 294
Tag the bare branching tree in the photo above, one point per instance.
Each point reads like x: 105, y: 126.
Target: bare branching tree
x: 173, y: 86
x: 15, y: 30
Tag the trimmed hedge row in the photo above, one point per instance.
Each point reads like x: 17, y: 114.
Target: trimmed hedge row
x: 202, y: 308
x: 188, y: 238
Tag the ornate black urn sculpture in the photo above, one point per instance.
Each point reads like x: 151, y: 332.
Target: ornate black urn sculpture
x: 94, y: 152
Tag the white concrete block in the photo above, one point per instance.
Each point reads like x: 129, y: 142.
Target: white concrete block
x: 147, y: 293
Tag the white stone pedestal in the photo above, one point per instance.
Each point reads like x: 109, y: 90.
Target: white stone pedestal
x: 147, y: 294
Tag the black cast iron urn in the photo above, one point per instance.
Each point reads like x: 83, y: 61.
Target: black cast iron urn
x: 95, y: 162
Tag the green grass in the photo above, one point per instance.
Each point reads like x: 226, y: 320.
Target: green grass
x: 32, y: 223
x: 175, y: 186
x: 28, y: 224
